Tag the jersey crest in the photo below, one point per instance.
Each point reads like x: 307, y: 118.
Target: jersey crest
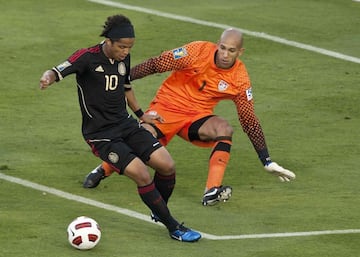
x: 222, y: 86
x: 122, y: 69
x: 179, y: 53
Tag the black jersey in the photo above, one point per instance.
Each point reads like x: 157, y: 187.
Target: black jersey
x: 100, y: 83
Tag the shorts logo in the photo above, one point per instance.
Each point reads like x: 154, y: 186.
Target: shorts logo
x: 249, y: 95
x: 113, y: 157
x: 151, y: 112
x: 222, y: 86
x: 179, y: 53
x: 122, y: 69
x: 63, y: 66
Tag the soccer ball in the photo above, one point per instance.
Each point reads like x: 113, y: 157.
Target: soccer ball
x: 84, y: 233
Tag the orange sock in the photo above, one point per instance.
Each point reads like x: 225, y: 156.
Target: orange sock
x: 218, y: 161
x: 107, y: 168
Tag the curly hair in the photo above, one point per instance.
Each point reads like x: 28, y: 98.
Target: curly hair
x: 118, y: 20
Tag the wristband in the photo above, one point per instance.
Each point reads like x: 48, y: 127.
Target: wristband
x: 264, y: 156
x: 139, y: 113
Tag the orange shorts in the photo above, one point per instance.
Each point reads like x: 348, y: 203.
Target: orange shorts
x: 176, y: 122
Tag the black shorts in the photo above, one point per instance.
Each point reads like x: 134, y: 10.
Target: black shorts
x: 119, y: 148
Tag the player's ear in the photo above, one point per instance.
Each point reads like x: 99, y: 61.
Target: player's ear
x: 108, y: 41
x: 241, y: 51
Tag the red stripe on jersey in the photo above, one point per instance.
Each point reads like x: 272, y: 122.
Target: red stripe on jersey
x: 81, y: 52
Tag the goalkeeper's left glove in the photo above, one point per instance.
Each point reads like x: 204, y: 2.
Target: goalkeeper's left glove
x: 283, y: 174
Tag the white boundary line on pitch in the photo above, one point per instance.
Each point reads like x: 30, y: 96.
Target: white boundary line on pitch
x: 225, y: 26
x: 146, y: 218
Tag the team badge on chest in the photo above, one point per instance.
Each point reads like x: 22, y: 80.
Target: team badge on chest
x: 121, y: 69
x: 222, y: 86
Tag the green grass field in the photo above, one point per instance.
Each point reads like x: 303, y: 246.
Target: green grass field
x: 308, y: 104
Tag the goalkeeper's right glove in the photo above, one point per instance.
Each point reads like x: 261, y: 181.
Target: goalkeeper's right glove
x: 283, y: 174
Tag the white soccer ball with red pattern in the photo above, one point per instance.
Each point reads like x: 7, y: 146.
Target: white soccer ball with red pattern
x: 84, y: 233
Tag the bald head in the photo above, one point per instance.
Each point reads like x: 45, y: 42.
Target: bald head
x: 232, y: 35
x: 229, y: 48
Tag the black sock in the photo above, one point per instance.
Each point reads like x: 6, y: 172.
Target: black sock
x: 165, y: 185
x: 152, y: 198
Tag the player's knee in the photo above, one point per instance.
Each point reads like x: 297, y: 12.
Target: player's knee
x: 224, y: 129
x: 161, y: 161
x: 138, y: 172
x: 167, y: 168
x: 143, y: 178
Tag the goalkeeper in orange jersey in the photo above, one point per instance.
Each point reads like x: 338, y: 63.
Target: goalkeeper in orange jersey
x: 203, y: 73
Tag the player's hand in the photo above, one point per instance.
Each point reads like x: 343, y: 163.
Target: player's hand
x: 151, y: 117
x: 283, y: 174
x: 46, y: 79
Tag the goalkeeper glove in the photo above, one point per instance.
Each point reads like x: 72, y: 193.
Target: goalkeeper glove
x: 283, y: 174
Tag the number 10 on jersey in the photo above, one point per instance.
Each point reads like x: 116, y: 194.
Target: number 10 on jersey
x: 111, y: 81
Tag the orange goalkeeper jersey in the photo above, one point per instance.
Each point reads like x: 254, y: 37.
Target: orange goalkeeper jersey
x: 196, y: 85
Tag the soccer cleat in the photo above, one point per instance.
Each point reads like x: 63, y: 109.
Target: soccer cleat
x: 216, y: 194
x: 93, y: 178
x: 184, y: 234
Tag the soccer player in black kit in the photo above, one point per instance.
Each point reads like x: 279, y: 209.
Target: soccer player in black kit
x: 102, y: 75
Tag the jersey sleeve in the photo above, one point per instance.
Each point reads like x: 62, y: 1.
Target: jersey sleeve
x: 175, y: 59
x: 76, y: 63
x: 251, y: 125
